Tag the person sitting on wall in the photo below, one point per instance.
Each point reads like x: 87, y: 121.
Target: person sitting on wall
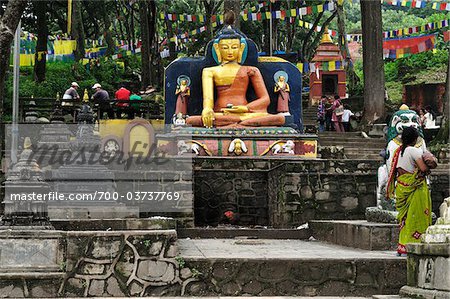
x: 123, y: 96
x: 101, y: 98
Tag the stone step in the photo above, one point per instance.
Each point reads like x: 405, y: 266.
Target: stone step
x: 153, y: 223
x: 333, y: 133
x: 93, y: 211
x: 242, y: 232
x: 356, y: 233
x: 231, y: 267
x: 336, y: 137
x: 351, y: 143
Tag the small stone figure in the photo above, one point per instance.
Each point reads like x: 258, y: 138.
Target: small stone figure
x: 237, y: 146
x: 178, y: 119
x: 183, y: 91
x: 285, y: 148
x: 283, y: 90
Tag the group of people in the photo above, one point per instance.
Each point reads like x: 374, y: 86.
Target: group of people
x: 333, y: 115
x: 122, y: 101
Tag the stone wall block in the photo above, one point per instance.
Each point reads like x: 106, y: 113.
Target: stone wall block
x: 349, y: 203
x: 104, y: 247
x: 96, y: 287
x: 113, y: 287
x: 90, y: 268
x: 323, y: 196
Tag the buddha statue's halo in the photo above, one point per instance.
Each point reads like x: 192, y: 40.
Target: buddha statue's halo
x: 184, y: 77
x: 278, y: 74
x: 229, y: 32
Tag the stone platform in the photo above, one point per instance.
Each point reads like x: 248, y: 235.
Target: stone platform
x: 289, y: 267
x: 356, y: 233
x: 251, y: 142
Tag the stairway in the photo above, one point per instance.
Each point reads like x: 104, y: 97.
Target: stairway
x: 310, y: 119
x: 355, y: 146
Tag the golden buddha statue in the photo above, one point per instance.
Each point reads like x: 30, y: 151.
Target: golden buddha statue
x: 230, y: 79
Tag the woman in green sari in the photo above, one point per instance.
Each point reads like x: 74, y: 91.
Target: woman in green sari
x: 408, y: 183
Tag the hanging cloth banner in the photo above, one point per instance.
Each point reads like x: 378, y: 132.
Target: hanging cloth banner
x: 403, y: 47
x: 256, y: 16
x: 416, y: 29
x: 447, y: 36
x: 443, y: 5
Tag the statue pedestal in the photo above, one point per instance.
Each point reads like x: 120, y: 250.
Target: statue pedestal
x: 429, y: 261
x: 250, y: 142
x: 428, y: 271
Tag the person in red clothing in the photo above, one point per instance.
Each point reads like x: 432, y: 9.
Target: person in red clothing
x: 122, y: 94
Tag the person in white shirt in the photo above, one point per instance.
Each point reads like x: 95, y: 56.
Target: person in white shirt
x: 346, y: 118
x: 429, y: 118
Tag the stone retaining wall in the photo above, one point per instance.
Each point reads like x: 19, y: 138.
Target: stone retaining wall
x: 282, y: 192
x: 147, y: 263
x: 115, y: 263
x: 289, y: 191
x: 296, y: 277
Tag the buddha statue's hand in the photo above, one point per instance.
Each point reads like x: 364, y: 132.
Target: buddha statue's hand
x: 235, y: 109
x: 208, y: 117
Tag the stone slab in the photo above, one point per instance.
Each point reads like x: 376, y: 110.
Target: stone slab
x: 257, y: 233
x: 25, y: 254
x: 423, y: 293
x: 277, y: 250
x: 356, y: 233
x: 115, y: 224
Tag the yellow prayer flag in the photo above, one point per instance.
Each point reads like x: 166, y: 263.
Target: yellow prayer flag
x: 400, y: 53
x: 268, y: 15
x: 181, y: 17
x: 403, y: 3
x: 162, y: 16
x: 320, y: 8
x: 332, y: 65
x: 300, y: 23
x: 293, y: 12
x: 300, y: 67
x: 201, y: 18
x: 400, y: 32
x: 245, y: 17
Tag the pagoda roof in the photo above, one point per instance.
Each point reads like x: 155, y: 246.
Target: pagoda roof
x: 327, y: 51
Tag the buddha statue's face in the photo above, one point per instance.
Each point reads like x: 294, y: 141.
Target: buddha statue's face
x: 229, y: 49
x: 281, y: 79
x: 183, y: 82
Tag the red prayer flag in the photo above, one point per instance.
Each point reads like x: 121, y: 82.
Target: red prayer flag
x: 447, y: 36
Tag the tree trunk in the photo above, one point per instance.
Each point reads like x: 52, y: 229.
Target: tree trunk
x: 145, y: 47
x: 40, y: 57
x: 8, y: 25
x: 373, y: 65
x: 78, y: 29
x: 352, y: 77
x: 235, y: 6
x: 107, y: 32
x: 447, y: 88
